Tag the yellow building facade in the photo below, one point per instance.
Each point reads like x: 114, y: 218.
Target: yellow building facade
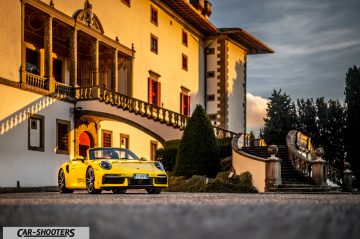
x: 76, y: 74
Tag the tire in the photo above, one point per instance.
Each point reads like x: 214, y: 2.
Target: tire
x: 154, y: 191
x: 90, y: 182
x: 119, y: 191
x: 62, y: 183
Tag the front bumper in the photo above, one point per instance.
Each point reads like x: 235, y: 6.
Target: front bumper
x: 110, y: 181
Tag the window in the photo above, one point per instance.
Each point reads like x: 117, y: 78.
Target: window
x: 124, y: 141
x: 184, y: 38
x: 62, y: 136
x: 212, y: 117
x: 106, y: 138
x: 153, y: 148
x: 153, y: 15
x: 58, y: 70
x: 36, y: 133
x: 210, y: 74
x: 210, y: 97
x: 210, y: 51
x: 126, y: 2
x: 184, y: 102
x: 154, y: 43
x: 154, y: 92
x: 32, y: 61
x: 184, y: 62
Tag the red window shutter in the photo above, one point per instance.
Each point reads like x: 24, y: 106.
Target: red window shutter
x: 150, y: 90
x: 188, y: 106
x: 181, y: 103
x: 158, y: 94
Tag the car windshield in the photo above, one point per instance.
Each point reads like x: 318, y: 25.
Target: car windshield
x: 111, y: 153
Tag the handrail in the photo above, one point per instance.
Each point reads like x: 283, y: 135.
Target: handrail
x: 140, y: 107
x: 302, y: 153
x: 64, y: 89
x: 241, y: 140
x: 36, y: 81
x: 121, y: 101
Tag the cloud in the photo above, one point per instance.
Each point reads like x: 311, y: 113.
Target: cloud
x: 256, y: 111
x: 315, y: 42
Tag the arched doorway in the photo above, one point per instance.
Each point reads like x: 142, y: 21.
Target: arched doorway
x: 86, y: 141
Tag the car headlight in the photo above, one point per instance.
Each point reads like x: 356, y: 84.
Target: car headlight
x: 105, y: 165
x: 159, y: 166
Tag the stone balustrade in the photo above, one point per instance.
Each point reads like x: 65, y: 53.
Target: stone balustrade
x: 140, y: 107
x: 36, y: 81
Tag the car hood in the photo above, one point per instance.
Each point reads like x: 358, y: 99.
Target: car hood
x: 133, y: 166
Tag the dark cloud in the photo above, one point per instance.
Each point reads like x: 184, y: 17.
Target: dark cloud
x: 315, y: 42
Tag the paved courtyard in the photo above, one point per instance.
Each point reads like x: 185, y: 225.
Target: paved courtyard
x: 189, y: 215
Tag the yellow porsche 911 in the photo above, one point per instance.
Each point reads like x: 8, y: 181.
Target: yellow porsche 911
x: 115, y: 169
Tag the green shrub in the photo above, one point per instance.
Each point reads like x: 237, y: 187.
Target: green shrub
x: 226, y: 164
x: 221, y: 184
x: 167, y: 155
x: 224, y: 145
x: 198, y: 150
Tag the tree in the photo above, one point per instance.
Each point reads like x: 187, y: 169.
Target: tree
x: 198, y: 150
x: 321, y: 122
x: 352, y: 100
x: 280, y: 118
x: 335, y: 143
x: 306, y: 118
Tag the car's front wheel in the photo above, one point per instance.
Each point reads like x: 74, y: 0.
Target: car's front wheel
x: 154, y: 191
x: 119, y: 191
x: 62, y: 183
x: 90, y: 182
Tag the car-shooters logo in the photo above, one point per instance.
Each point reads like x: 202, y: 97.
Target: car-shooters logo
x: 46, y: 232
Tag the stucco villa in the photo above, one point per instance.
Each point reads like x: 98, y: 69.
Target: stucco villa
x: 76, y: 74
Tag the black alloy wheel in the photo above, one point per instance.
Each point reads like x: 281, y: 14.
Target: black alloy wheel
x: 62, y: 183
x: 90, y: 182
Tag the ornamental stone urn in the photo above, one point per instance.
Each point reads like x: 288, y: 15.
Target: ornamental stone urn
x: 319, y: 152
x: 272, y: 150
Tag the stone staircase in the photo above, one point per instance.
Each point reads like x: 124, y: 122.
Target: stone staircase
x: 292, y: 179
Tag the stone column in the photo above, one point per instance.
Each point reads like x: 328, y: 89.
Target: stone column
x: 95, y: 61
x: 348, y: 178
x: 73, y: 58
x: 272, y: 170
x: 130, y: 72
x: 318, y: 168
x: 23, y: 48
x: 114, y: 71
x: 48, y: 53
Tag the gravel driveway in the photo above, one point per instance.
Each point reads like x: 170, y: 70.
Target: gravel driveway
x: 189, y: 215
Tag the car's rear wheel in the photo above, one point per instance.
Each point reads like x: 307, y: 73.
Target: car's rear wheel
x: 90, y: 182
x: 119, y: 191
x: 154, y: 191
x: 62, y: 183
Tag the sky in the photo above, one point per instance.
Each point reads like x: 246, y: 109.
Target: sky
x: 315, y: 43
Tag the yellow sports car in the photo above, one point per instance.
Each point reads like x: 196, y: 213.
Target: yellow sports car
x: 115, y: 169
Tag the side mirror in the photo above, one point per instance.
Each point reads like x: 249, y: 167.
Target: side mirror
x: 78, y: 158
x: 143, y: 159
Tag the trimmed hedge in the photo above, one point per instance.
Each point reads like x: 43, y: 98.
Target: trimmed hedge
x: 167, y: 155
x: 198, y: 150
x: 221, y: 184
